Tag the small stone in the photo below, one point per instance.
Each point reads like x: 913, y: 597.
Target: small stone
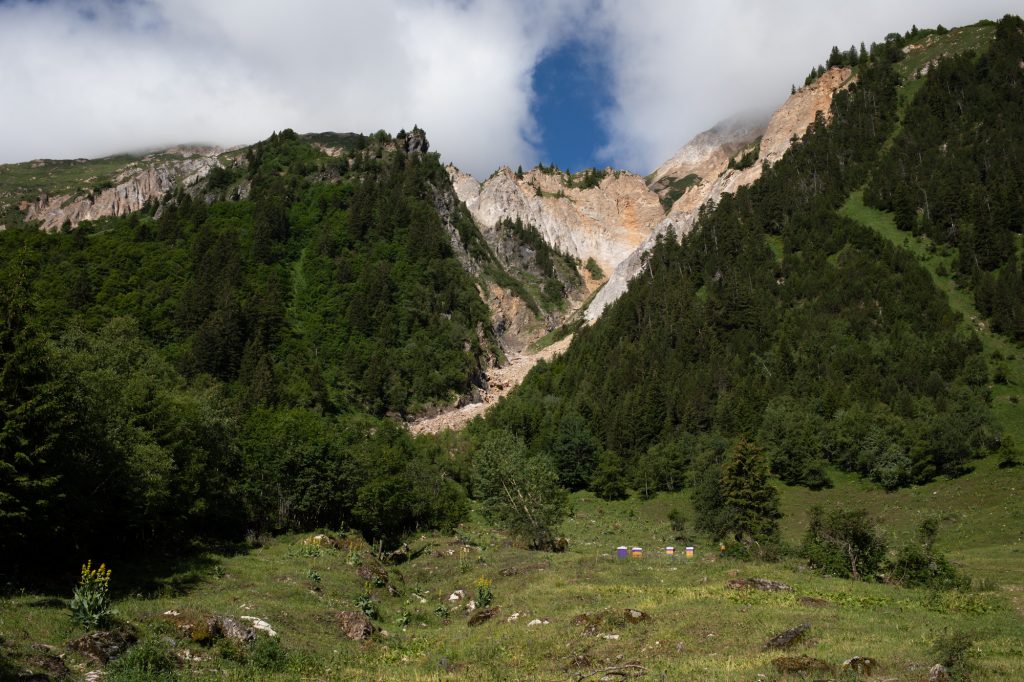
x: 758, y: 584
x: 456, y: 595
x: 537, y: 621
x: 483, y: 615
x: 635, y: 616
x: 938, y: 673
x: 813, y: 601
x: 105, y: 645
x: 800, y: 664
x: 513, y: 618
x: 355, y: 624
x: 860, y: 665
x: 786, y: 639
x: 609, y: 637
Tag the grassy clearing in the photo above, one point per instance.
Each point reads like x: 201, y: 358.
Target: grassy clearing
x: 698, y: 629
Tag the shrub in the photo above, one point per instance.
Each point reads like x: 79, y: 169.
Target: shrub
x: 150, y: 659
x: 518, y: 491
x: 842, y: 543
x: 266, y: 654
x: 954, y: 650
x: 90, y: 605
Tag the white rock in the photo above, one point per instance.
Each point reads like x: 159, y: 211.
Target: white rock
x: 260, y: 624
x: 456, y: 595
x: 537, y: 621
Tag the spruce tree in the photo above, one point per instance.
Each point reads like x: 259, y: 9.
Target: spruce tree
x: 752, y: 504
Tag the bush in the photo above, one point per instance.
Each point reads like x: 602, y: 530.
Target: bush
x: 919, y: 565
x: 842, y: 543
x: 90, y: 605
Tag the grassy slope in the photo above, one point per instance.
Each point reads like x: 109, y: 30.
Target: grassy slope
x: 699, y: 629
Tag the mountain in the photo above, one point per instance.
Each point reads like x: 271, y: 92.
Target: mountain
x: 785, y: 315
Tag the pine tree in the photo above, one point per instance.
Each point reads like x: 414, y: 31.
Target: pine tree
x: 752, y: 504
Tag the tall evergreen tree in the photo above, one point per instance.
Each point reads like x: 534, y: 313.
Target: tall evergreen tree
x: 33, y: 418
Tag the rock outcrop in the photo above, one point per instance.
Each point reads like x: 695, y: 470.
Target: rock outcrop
x: 707, y: 156
x: 148, y: 178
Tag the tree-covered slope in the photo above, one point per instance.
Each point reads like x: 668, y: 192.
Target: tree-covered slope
x: 780, y: 321
x: 955, y: 171
x: 212, y: 365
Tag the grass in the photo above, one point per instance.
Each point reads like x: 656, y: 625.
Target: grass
x: 27, y: 180
x: 698, y: 628
x: 958, y: 40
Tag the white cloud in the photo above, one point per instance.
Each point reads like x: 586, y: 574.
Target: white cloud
x: 95, y: 77
x: 162, y: 72
x: 680, y: 67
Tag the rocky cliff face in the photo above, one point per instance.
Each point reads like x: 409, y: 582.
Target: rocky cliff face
x: 701, y: 174
x: 606, y: 222
x: 148, y: 178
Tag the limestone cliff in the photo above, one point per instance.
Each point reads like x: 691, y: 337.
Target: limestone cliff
x: 139, y: 181
x: 700, y: 171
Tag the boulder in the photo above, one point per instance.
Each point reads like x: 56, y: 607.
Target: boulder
x: 483, y: 615
x: 321, y: 540
x: 788, y: 638
x: 355, y: 624
x: 105, y: 645
x: 758, y: 584
x: 261, y: 625
x: 233, y: 630
x: 800, y: 664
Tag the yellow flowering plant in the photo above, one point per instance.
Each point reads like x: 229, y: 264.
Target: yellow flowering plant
x: 484, y: 596
x: 90, y: 604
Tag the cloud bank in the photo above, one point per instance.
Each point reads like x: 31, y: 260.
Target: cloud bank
x: 95, y: 77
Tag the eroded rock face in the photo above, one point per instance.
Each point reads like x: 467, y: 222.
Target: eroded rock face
x: 701, y: 157
x: 139, y: 182
x: 606, y: 222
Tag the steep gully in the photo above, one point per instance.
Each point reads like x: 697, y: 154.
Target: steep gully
x: 618, y: 222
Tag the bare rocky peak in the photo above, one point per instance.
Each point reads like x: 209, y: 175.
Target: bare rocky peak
x: 139, y: 181
x: 711, y: 150
x: 606, y: 222
x: 789, y: 121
